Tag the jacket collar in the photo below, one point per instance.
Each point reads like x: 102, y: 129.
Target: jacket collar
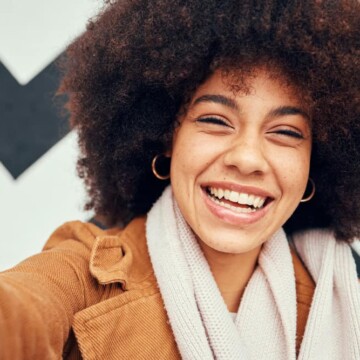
x: 128, y: 324
x: 123, y: 258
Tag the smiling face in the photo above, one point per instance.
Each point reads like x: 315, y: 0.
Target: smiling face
x: 240, y: 162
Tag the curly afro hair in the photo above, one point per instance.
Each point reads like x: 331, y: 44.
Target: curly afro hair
x: 139, y: 61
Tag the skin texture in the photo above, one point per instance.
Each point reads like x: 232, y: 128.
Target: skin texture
x: 139, y: 62
x: 246, y: 149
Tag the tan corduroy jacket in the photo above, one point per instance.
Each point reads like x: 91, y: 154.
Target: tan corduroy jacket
x: 92, y: 294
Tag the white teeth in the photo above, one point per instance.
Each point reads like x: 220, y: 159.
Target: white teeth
x: 256, y: 201
x: 227, y: 194
x: 220, y: 193
x: 250, y: 199
x: 261, y: 203
x: 236, y: 197
x: 234, y: 208
x: 243, y: 199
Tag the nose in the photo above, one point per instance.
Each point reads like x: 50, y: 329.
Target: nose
x: 247, y: 155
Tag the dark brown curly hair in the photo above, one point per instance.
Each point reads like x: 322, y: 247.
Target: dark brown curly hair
x: 139, y: 61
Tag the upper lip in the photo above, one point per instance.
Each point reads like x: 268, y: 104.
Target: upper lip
x: 252, y: 190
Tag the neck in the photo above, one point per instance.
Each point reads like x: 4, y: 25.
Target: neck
x: 231, y: 272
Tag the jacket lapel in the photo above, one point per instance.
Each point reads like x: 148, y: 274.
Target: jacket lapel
x: 131, y: 323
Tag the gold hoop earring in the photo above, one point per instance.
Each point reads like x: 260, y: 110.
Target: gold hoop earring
x: 308, y: 198
x: 155, y: 172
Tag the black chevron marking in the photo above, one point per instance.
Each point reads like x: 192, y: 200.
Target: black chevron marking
x: 30, y: 123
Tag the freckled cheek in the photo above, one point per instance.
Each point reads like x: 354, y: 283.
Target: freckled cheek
x: 182, y: 174
x: 292, y: 187
x: 293, y: 176
x: 189, y: 158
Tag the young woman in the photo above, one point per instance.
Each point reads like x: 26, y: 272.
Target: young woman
x: 220, y: 147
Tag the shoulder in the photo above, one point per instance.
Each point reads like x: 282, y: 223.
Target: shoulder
x: 78, y: 257
x: 44, y: 294
x: 63, y: 266
x: 105, y: 253
x: 110, y: 255
x: 84, y: 233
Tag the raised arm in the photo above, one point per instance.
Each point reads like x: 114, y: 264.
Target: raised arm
x: 39, y: 297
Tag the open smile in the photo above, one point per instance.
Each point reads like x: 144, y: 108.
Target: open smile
x: 240, y: 202
x: 236, y: 206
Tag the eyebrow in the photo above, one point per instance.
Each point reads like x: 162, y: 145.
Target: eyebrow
x: 288, y: 110
x: 219, y: 99
x: 277, y: 112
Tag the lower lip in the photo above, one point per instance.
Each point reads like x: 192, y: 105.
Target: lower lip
x: 232, y: 217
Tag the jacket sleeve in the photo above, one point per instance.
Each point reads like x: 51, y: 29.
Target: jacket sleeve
x: 39, y: 297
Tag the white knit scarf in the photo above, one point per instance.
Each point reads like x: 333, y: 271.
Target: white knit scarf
x: 265, y: 325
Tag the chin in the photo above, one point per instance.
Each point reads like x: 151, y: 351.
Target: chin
x: 234, y: 244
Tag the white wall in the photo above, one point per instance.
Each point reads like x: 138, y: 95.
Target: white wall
x: 32, y: 34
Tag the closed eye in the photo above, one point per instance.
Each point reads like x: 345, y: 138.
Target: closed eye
x: 290, y: 133
x: 214, y: 120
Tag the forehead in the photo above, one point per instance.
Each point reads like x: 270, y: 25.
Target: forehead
x: 259, y: 82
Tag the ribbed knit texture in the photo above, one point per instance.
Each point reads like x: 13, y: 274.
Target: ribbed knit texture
x: 265, y: 325
x: 333, y: 328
